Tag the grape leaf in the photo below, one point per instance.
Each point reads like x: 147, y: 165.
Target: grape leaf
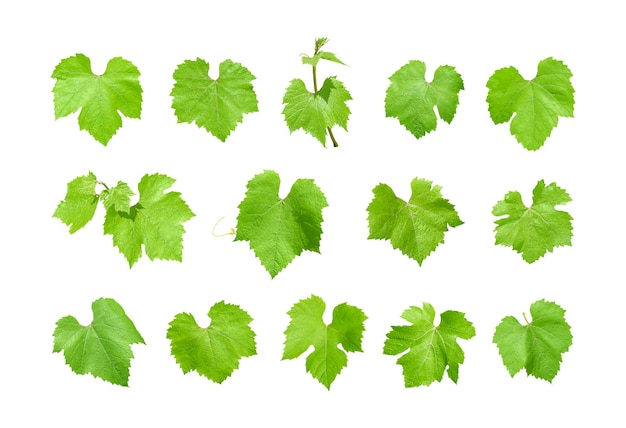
x: 430, y: 348
x: 538, y: 345
x: 154, y: 222
x: 280, y: 229
x: 215, y: 351
x: 315, y: 112
x: 537, y: 103
x: 80, y: 203
x: 216, y: 105
x: 318, y: 111
x: 534, y: 231
x: 307, y: 328
x: 411, y: 99
x: 103, y: 347
x: 416, y: 228
x: 99, y: 97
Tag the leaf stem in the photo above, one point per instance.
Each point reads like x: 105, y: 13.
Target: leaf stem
x: 525, y: 319
x: 332, y: 137
x: 318, y: 45
x: 102, y: 183
x: 314, y: 80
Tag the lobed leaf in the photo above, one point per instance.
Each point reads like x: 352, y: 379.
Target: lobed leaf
x: 100, y: 98
x: 103, y: 347
x: 415, y: 227
x: 215, y: 105
x: 538, y: 346
x: 278, y: 229
x: 214, y: 351
x: 537, y: 103
x: 307, y: 329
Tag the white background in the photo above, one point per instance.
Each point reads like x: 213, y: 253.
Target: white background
x: 47, y: 273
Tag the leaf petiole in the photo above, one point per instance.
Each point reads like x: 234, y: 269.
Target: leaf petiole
x: 318, y: 44
x: 102, y: 183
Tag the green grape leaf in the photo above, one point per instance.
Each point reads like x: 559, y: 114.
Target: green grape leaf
x: 103, y: 347
x: 537, y: 103
x: 307, y: 328
x: 430, y: 348
x: 80, y: 202
x: 412, y: 100
x: 214, y: 351
x: 216, y: 105
x: 315, y: 112
x: 536, y: 230
x: 536, y: 346
x: 117, y: 198
x: 154, y: 222
x: 416, y: 228
x: 99, y: 98
x: 278, y: 229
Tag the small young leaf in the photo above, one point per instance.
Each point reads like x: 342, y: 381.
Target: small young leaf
x: 280, y: 229
x: 537, y: 103
x: 430, y: 348
x: 538, y: 345
x: 99, y: 97
x: 536, y: 230
x: 307, y: 328
x: 216, y: 105
x: 411, y: 99
x: 215, y: 351
x: 416, y: 228
x: 103, y: 347
x: 117, y: 198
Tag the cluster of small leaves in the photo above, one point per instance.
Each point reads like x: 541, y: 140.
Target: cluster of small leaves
x: 103, y: 347
x: 536, y: 230
x: 318, y: 111
x: 431, y: 349
x: 536, y: 346
x: 307, y: 329
x: 154, y: 222
x: 214, y: 351
x: 415, y: 227
x: 537, y: 103
x: 216, y: 105
x: 278, y: 229
x: 411, y: 99
x: 99, y: 98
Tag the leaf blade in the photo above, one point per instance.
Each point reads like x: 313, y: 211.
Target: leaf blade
x: 102, y: 348
x: 215, y: 351
x: 307, y: 328
x: 218, y: 105
x: 99, y: 98
x: 537, y: 103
